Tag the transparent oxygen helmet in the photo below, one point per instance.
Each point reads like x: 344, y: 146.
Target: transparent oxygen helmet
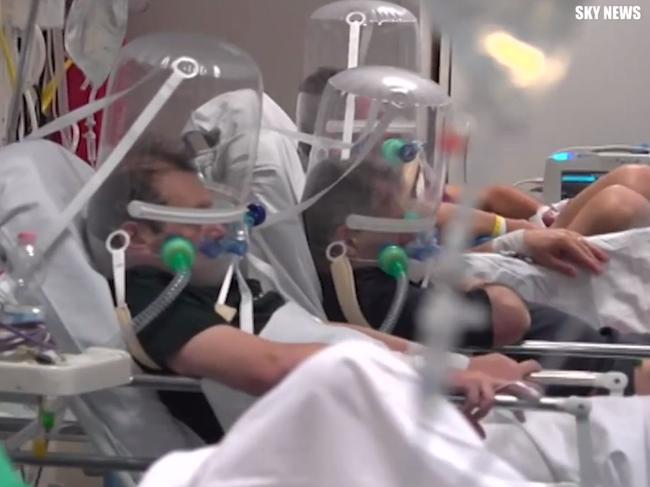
x: 374, y: 193
x: 348, y: 34
x: 184, y: 128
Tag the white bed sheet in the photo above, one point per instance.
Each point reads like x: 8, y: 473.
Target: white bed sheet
x: 617, y: 298
x: 544, y: 447
x: 347, y: 417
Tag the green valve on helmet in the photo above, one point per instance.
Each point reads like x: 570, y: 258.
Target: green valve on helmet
x: 411, y: 216
x: 393, y: 261
x: 399, y: 151
x: 178, y: 254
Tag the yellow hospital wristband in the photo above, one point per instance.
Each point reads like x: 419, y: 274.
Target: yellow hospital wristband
x: 499, y: 226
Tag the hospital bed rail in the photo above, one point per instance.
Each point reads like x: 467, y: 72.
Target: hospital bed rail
x: 577, y: 407
x: 573, y: 349
x: 615, y: 382
x: 94, y: 463
x: 98, y: 463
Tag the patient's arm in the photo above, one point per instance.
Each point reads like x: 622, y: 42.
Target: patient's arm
x: 502, y: 367
x: 254, y: 365
x: 482, y: 221
x: 562, y: 250
x: 392, y: 342
x: 238, y: 359
x: 507, y: 201
x: 509, y: 314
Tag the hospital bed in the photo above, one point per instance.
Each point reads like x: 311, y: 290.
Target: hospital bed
x: 112, y: 417
x: 604, y: 406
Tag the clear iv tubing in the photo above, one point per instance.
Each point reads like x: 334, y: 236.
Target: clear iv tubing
x: 396, y: 306
x: 162, y: 302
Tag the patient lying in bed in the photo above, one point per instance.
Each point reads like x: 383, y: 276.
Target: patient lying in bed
x: 618, y: 201
x: 509, y: 319
x: 615, y: 299
x: 189, y: 338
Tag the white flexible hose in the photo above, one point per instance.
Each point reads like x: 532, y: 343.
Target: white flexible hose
x: 397, y: 305
x: 162, y: 302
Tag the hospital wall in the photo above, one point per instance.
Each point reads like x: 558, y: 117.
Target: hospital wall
x: 605, y: 98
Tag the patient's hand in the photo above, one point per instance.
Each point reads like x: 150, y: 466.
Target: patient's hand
x: 497, y: 373
x: 564, y: 251
x: 549, y: 216
x: 503, y: 368
x: 479, y: 390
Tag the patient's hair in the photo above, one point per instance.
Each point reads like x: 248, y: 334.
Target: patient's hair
x: 315, y: 83
x: 135, y: 179
x: 311, y: 87
x: 355, y: 193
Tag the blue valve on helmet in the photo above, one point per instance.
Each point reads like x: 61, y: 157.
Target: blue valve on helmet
x: 211, y: 248
x: 237, y: 246
x: 423, y: 247
x: 215, y: 248
x: 421, y: 252
x: 256, y: 215
x: 400, y: 151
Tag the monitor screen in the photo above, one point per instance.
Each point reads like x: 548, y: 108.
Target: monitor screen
x: 575, y: 181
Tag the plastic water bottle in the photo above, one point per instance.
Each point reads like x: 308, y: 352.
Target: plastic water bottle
x: 26, y: 306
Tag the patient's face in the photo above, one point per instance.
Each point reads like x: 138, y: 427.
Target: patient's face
x: 182, y: 189
x: 388, y: 202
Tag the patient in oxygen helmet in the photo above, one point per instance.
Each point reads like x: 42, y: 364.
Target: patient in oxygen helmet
x: 190, y: 337
x: 618, y: 201
x: 375, y: 189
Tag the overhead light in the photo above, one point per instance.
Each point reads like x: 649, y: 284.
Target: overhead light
x: 528, y: 65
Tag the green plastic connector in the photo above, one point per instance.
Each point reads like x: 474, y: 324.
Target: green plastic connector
x: 8, y: 476
x: 411, y: 215
x: 394, y: 261
x: 47, y: 420
x: 390, y: 150
x: 178, y: 254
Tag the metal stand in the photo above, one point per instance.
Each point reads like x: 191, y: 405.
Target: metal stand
x: 97, y: 463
